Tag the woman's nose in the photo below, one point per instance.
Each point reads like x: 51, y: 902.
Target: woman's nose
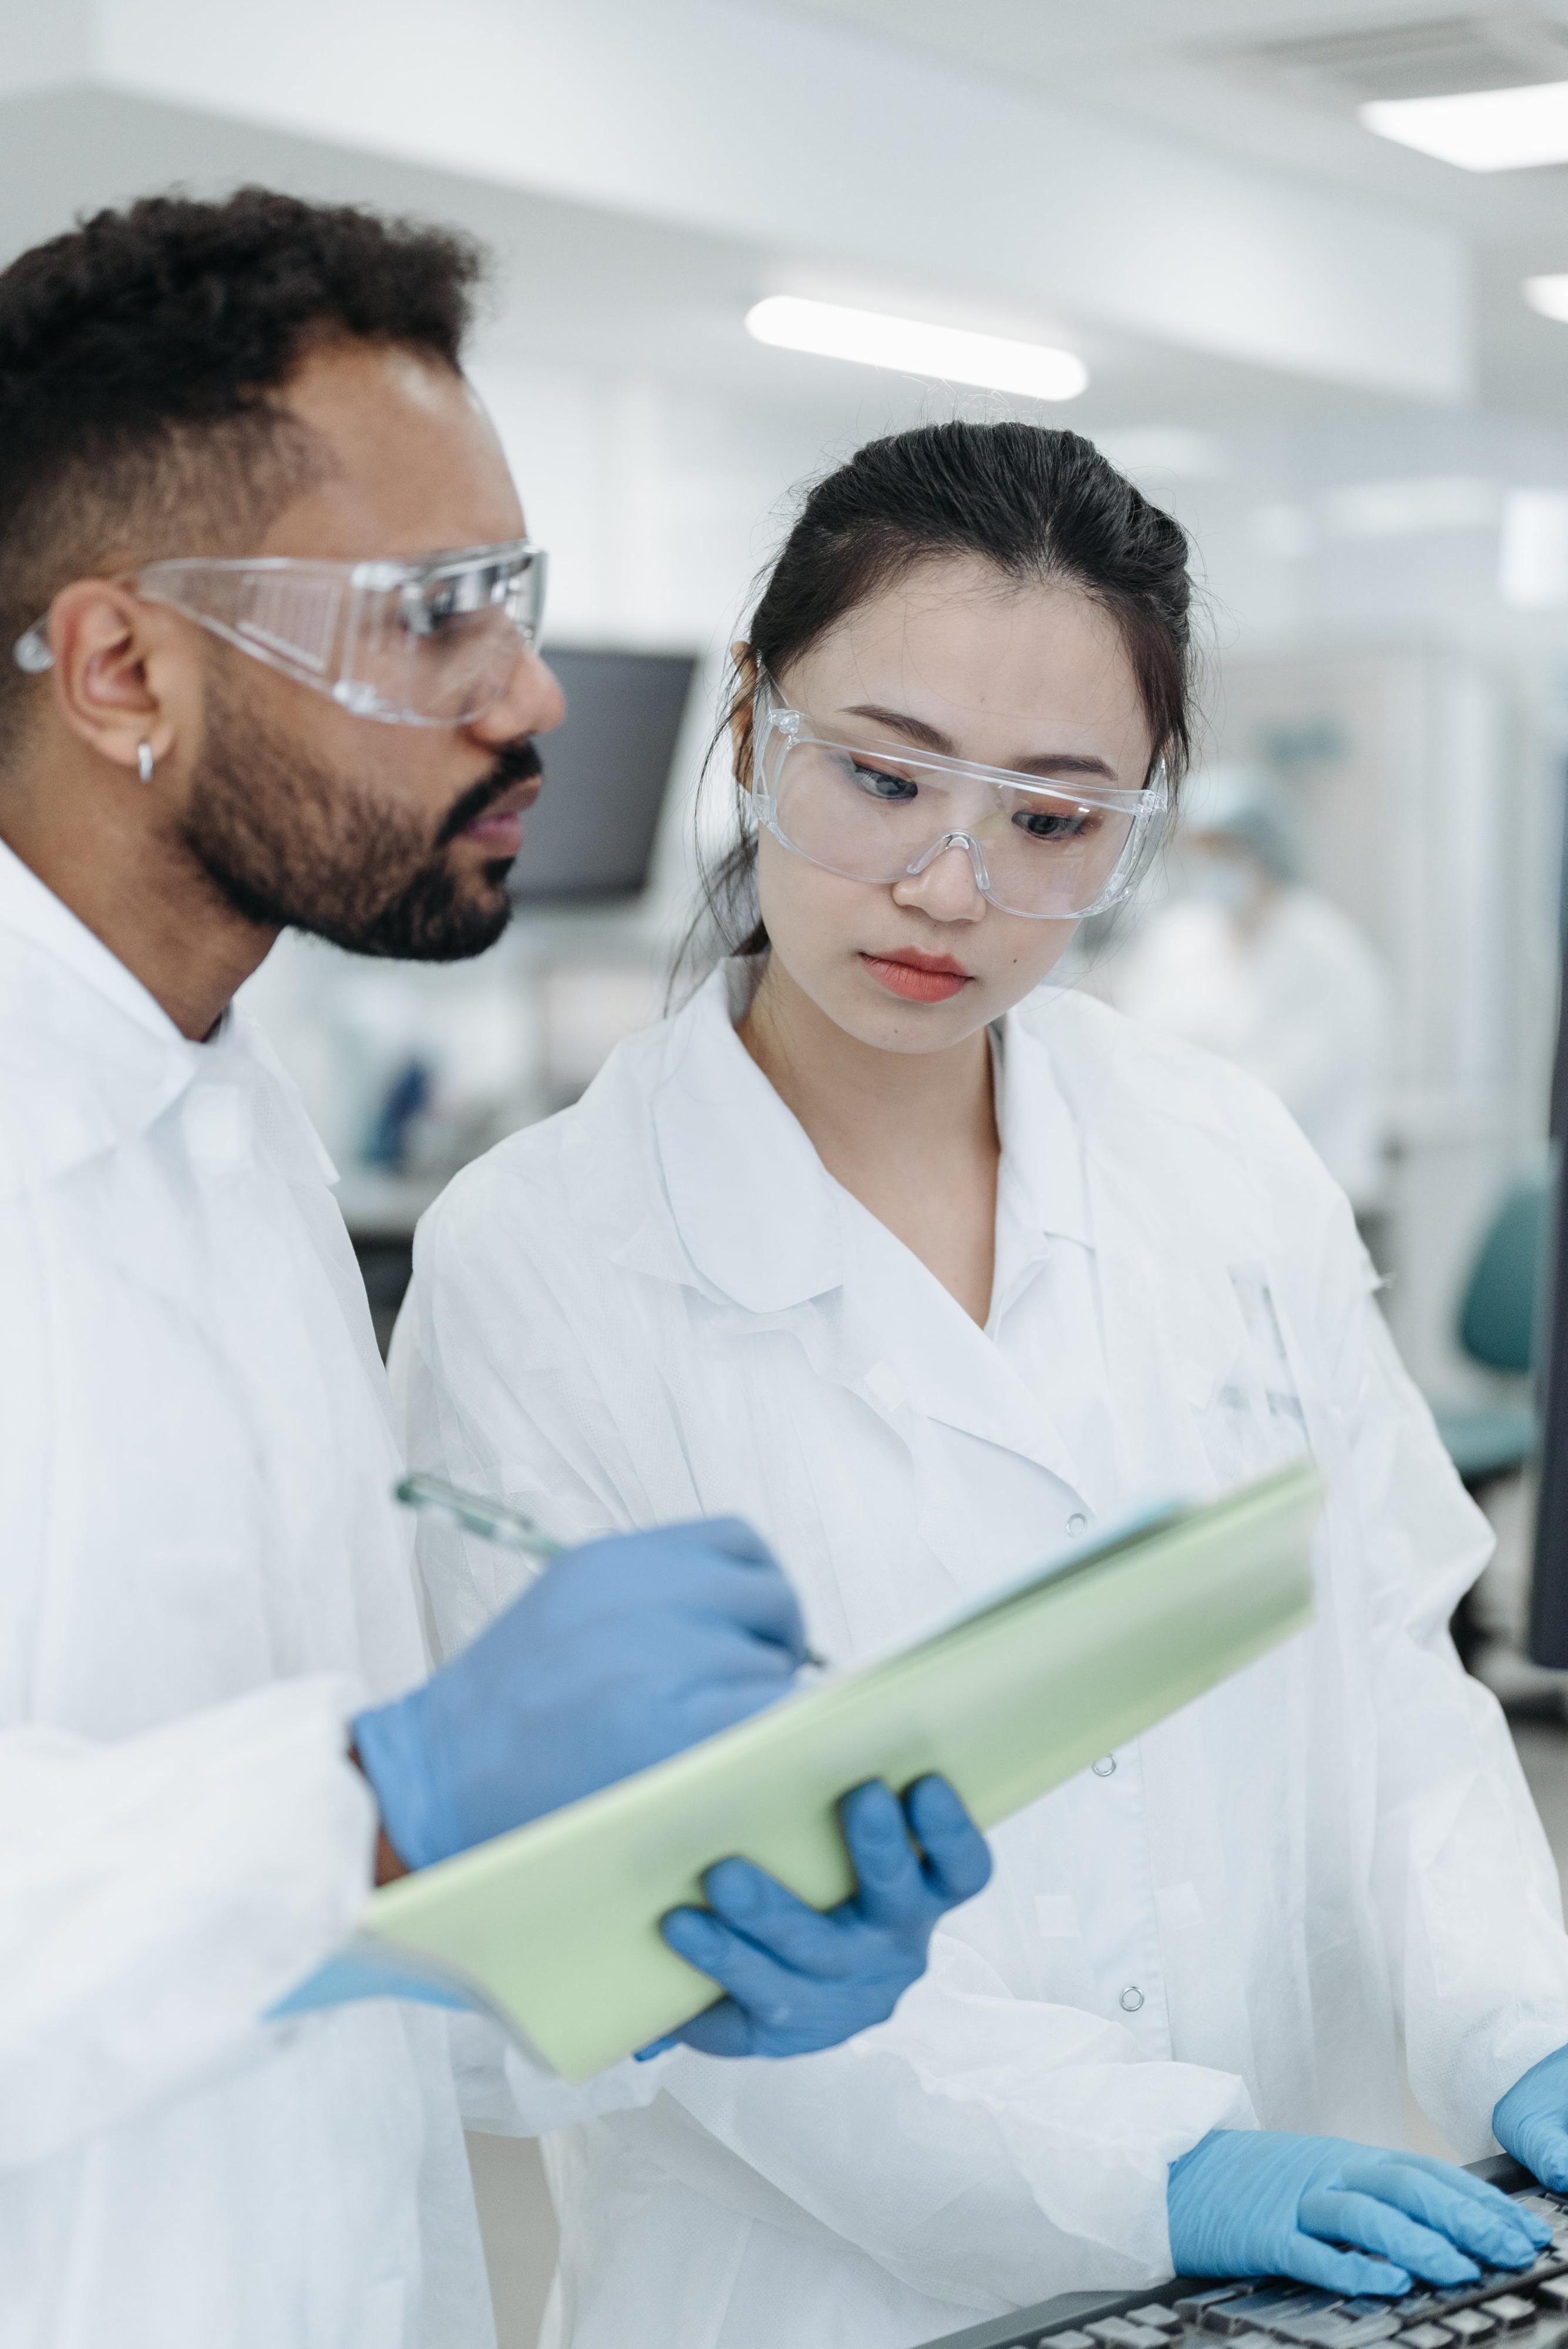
x: 946, y: 888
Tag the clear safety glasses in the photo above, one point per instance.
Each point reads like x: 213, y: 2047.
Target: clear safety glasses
x: 1049, y: 850
x: 431, y: 643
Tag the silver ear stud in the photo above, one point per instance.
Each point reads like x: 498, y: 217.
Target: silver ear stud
x: 144, y: 762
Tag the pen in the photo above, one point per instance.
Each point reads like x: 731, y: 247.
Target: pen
x: 494, y: 1521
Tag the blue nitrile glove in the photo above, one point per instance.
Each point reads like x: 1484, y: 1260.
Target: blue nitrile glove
x: 1258, y: 2202
x: 1531, y: 2121
x: 626, y: 1651
x: 798, y: 1979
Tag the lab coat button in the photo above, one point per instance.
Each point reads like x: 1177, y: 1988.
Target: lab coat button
x: 1106, y: 1767
x: 1132, y: 1998
x: 1077, y: 1524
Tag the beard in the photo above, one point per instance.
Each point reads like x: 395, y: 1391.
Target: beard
x: 292, y: 846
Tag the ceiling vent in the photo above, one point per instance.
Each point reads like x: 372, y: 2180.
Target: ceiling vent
x: 1432, y: 58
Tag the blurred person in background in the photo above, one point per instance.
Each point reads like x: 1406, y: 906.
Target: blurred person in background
x: 1245, y: 958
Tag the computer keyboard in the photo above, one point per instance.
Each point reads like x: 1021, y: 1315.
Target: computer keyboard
x: 1506, y: 2308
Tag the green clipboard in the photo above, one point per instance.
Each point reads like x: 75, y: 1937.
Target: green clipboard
x: 555, y: 1927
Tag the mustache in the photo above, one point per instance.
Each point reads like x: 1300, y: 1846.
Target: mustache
x: 516, y: 762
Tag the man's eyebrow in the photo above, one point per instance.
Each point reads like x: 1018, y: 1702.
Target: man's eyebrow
x: 931, y: 738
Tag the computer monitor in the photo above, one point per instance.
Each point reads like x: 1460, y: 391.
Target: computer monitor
x: 606, y: 771
x: 1549, y: 1582
x: 1549, y: 1586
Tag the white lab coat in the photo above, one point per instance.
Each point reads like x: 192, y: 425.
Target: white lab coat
x: 202, y: 1578
x: 659, y: 1304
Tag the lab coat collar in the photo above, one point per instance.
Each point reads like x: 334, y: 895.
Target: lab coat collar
x: 88, y: 1059
x: 758, y: 1217
x: 755, y: 1221
x: 756, y: 1214
x: 1041, y: 1194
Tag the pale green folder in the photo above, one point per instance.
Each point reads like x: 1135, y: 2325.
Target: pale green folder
x: 555, y: 1927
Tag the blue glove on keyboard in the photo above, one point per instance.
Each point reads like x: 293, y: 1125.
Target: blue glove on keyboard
x: 799, y: 1979
x: 1531, y: 2121
x: 626, y: 1651
x: 1258, y: 2202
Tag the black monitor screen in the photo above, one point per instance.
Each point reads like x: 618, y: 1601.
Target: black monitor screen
x: 1549, y: 1594
x: 607, y: 770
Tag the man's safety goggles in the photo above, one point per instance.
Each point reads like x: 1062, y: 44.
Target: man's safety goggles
x: 432, y: 643
x: 1049, y: 850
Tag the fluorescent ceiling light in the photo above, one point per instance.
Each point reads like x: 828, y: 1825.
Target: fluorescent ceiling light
x: 1479, y: 129
x: 912, y: 347
x: 1549, y: 295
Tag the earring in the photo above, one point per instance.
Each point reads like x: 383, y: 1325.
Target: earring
x: 144, y: 762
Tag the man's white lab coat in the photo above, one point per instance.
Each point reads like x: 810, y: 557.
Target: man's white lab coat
x: 660, y: 1304
x: 202, y: 1576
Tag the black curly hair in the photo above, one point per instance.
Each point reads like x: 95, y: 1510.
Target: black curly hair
x: 1035, y: 502
x: 140, y: 359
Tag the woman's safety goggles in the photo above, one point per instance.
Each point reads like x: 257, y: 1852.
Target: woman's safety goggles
x: 432, y: 643
x: 1051, y: 851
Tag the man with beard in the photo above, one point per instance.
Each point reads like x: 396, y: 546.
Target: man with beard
x: 267, y: 611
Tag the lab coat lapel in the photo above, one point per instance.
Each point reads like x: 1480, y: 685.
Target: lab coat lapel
x: 1164, y: 1243
x: 934, y: 1358
x: 79, y: 1073
x: 89, y: 1060
x: 748, y: 1214
x: 744, y: 1197
x: 1159, y: 1344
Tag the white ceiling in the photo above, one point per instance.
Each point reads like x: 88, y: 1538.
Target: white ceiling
x: 601, y: 283
x: 1175, y: 66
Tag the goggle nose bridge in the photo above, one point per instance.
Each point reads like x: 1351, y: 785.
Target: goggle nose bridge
x: 965, y: 840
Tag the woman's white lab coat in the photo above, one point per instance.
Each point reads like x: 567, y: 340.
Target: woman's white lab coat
x: 659, y: 1304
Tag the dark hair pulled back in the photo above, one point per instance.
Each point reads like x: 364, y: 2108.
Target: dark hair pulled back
x: 1039, y: 505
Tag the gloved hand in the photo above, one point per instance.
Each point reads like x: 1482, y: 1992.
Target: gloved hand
x: 799, y: 1979
x: 1531, y: 2121
x: 1259, y: 2202
x: 626, y: 1651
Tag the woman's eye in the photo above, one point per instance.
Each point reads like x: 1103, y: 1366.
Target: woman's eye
x: 1040, y: 825
x: 878, y: 783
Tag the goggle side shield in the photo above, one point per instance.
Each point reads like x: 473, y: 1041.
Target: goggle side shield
x: 431, y: 643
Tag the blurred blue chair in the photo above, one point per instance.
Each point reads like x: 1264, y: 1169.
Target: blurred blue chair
x: 1498, y: 1328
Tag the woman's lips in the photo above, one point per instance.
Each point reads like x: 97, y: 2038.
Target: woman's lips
x: 930, y: 978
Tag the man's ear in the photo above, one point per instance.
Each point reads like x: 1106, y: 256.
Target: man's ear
x: 118, y: 674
